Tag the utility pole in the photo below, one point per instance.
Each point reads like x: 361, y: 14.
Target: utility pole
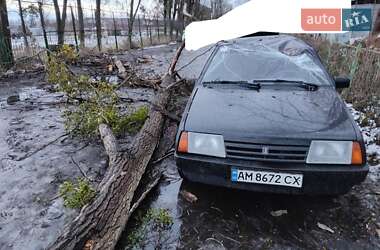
x: 6, y: 55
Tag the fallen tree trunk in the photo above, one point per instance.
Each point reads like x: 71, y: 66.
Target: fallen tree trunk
x: 100, y: 224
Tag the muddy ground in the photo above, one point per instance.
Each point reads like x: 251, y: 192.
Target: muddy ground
x: 32, y: 215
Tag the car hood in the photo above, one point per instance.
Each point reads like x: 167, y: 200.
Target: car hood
x: 270, y: 113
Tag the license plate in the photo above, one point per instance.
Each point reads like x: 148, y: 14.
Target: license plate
x: 269, y: 178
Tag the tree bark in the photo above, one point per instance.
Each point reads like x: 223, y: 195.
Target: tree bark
x: 81, y: 23
x: 101, y: 223
x: 98, y: 25
x: 6, y: 55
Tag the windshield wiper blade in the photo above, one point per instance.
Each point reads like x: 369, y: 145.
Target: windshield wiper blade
x: 303, y: 84
x: 252, y: 85
x: 224, y: 82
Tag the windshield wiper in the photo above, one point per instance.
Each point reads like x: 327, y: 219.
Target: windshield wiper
x: 303, y: 84
x: 252, y: 85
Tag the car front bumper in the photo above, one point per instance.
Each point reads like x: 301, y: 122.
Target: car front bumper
x: 317, y: 179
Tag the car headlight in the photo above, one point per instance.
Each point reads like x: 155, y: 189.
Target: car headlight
x: 203, y: 144
x: 334, y: 152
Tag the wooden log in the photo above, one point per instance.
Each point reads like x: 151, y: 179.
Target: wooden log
x: 101, y: 223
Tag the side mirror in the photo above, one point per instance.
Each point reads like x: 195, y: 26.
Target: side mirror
x: 342, y: 82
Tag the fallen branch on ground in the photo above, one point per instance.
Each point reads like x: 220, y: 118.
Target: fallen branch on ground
x: 101, y: 223
x: 41, y: 148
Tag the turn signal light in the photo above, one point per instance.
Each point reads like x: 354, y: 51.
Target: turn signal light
x: 357, y: 156
x: 183, y: 145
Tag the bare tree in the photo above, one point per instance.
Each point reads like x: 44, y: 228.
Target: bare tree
x: 132, y: 15
x: 168, y: 4
x: 98, y: 24
x: 219, y: 7
x: 6, y: 55
x: 24, y: 33
x: 173, y: 17
x: 32, y: 13
x: 81, y: 23
x: 61, y: 20
x: 180, y: 20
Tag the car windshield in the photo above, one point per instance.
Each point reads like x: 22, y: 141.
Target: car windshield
x: 239, y: 63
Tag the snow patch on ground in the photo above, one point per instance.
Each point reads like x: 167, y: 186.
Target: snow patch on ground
x: 371, y: 136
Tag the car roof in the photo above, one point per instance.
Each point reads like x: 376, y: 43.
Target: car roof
x: 282, y: 53
x: 283, y: 43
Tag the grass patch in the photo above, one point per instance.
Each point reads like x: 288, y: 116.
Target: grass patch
x: 156, y: 221
x: 76, y: 195
x: 96, y: 102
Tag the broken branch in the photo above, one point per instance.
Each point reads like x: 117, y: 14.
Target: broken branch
x: 102, y: 222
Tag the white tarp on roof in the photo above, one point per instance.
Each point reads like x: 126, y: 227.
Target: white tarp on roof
x: 254, y: 16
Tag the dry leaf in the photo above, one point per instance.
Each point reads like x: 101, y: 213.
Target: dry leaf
x: 110, y: 68
x: 279, y: 213
x: 189, y: 196
x: 89, y: 245
x: 324, y: 227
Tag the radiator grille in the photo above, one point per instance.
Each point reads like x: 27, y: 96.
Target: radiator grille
x: 266, y: 152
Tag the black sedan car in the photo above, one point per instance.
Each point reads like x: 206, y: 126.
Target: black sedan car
x: 265, y: 116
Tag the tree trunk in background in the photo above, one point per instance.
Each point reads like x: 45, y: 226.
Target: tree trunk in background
x: 166, y: 2
x: 173, y: 19
x: 81, y: 23
x: 181, y: 20
x: 196, y: 9
x: 57, y: 18
x: 6, y: 55
x: 132, y: 17
x: 146, y: 27
x: 169, y: 11
x: 74, y: 29
x: 141, y: 39
x: 98, y: 25
x: 43, y: 27
x: 23, y: 25
x: 130, y: 24
x: 61, y: 20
